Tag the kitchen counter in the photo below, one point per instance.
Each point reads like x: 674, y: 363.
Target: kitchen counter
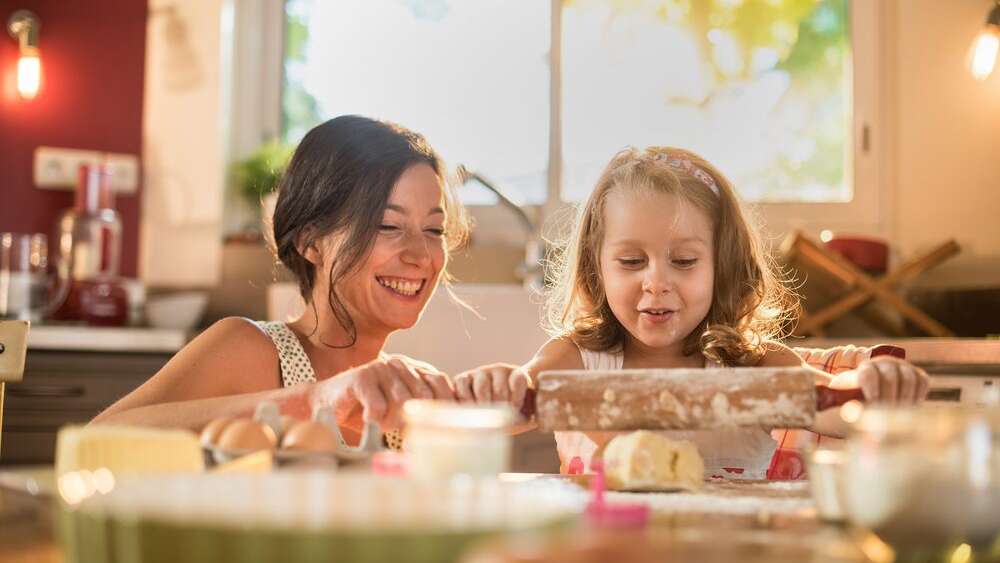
x: 27, y: 521
x: 105, y: 339
x: 965, y: 352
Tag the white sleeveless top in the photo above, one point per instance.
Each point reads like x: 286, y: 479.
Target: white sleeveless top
x: 729, y: 453
x: 296, y: 367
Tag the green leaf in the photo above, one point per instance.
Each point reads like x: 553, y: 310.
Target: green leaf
x: 257, y: 175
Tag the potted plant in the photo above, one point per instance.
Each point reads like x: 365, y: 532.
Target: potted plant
x: 256, y: 177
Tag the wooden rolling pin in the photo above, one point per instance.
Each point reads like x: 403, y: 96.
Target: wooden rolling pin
x: 681, y: 399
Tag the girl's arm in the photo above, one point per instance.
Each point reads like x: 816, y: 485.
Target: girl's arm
x: 509, y: 382
x: 885, y: 379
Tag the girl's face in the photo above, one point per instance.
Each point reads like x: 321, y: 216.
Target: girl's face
x: 657, y: 265
x: 391, y: 287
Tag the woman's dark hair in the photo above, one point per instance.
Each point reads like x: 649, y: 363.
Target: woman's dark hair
x: 339, y: 180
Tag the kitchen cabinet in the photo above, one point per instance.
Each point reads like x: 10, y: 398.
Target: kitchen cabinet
x: 70, y: 375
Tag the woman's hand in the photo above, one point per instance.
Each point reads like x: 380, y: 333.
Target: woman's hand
x: 438, y: 381
x: 491, y: 383
x: 890, y: 380
x: 376, y: 391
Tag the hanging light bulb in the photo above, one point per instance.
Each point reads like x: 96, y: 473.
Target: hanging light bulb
x: 23, y: 26
x: 983, y: 57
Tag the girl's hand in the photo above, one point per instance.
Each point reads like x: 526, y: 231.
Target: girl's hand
x: 892, y: 381
x: 376, y: 392
x: 493, y: 383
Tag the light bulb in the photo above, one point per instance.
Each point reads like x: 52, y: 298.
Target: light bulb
x: 984, y: 52
x: 29, y: 75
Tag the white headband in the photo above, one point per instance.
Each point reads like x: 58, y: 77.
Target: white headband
x: 686, y: 165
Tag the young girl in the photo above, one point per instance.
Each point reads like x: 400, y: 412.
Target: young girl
x: 665, y: 271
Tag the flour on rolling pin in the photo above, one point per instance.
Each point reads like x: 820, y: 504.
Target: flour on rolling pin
x: 676, y: 399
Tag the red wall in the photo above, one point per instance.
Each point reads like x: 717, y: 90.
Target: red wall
x: 93, y: 58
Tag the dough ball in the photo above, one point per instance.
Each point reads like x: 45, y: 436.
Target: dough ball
x: 649, y: 461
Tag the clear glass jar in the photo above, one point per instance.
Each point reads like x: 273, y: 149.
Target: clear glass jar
x: 444, y: 438
x: 926, y: 480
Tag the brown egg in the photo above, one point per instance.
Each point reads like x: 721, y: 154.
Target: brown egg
x: 246, y: 435
x: 309, y: 436
x: 287, y: 421
x: 210, y: 434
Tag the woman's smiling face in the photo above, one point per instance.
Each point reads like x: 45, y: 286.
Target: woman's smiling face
x: 390, y: 288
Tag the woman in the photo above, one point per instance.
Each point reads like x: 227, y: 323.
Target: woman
x: 365, y: 223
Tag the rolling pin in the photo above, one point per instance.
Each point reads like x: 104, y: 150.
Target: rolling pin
x: 680, y: 399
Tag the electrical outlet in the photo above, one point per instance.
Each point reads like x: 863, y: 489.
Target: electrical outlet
x: 57, y: 168
x: 124, y: 170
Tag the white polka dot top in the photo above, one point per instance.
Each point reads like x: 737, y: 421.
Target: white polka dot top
x: 296, y: 367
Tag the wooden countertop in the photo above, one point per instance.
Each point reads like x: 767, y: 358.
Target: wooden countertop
x: 922, y: 351
x: 26, y: 520
x: 105, y: 339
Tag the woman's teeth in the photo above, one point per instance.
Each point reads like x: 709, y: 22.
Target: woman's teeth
x: 402, y: 287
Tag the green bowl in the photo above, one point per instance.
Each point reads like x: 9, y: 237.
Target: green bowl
x: 305, y: 516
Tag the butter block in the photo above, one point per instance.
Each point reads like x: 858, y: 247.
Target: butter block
x: 127, y: 449
x: 257, y: 462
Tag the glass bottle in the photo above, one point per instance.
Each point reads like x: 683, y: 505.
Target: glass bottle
x: 90, y: 246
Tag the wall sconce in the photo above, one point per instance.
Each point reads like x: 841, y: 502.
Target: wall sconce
x: 23, y: 26
x: 983, y: 58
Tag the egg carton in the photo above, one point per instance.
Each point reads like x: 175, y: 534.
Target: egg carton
x: 267, y: 413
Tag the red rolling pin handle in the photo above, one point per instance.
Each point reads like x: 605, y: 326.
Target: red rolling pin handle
x: 827, y: 398
x: 528, y: 408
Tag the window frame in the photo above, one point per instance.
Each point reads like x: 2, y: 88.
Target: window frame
x: 256, y: 116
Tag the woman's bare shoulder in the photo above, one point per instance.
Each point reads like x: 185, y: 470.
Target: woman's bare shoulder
x: 235, y: 352
x: 231, y: 357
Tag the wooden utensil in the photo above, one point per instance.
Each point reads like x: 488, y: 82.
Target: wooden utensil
x: 681, y: 399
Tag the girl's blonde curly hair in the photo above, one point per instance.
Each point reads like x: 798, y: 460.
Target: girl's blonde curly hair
x: 750, y: 303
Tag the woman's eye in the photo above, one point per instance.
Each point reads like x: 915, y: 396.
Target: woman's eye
x: 388, y: 228
x: 685, y: 262
x: 631, y: 262
x: 435, y: 232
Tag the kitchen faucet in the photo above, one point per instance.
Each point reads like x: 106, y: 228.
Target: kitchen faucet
x: 530, y: 271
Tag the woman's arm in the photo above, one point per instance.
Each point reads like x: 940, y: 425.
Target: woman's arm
x: 227, y: 369
x: 233, y: 366
x: 194, y: 414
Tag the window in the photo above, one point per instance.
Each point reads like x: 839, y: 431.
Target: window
x: 760, y: 88
x: 767, y: 89
x: 472, y: 76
